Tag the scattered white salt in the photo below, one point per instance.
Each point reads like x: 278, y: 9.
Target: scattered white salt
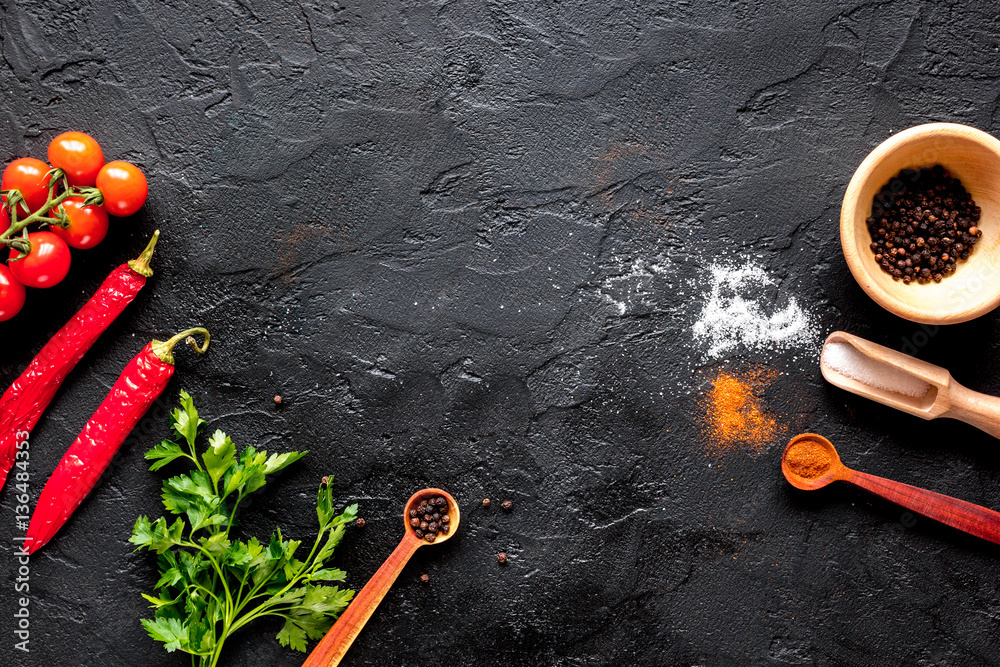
x: 738, y: 312
x: 848, y: 360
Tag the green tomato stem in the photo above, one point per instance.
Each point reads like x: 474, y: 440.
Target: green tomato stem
x: 39, y: 215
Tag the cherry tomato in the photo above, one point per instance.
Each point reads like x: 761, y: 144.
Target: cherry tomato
x: 88, y: 225
x: 47, y: 263
x: 11, y: 294
x: 123, y: 186
x: 79, y: 155
x: 27, y: 175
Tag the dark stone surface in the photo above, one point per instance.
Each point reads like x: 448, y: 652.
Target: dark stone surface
x: 416, y: 220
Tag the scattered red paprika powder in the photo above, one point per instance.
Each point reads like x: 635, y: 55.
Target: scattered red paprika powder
x: 735, y: 417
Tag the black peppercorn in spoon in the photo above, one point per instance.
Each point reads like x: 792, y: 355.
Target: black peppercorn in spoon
x: 332, y: 648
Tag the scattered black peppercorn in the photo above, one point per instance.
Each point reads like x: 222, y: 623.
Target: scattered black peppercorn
x: 424, y: 578
x: 486, y: 502
x: 360, y: 523
x: 923, y: 221
x: 506, y: 505
x: 428, y: 519
x: 501, y: 557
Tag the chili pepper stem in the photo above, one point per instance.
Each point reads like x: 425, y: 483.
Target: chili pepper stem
x: 164, y: 350
x: 141, y: 263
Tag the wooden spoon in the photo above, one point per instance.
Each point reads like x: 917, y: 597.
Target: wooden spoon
x: 331, y: 649
x: 965, y: 516
x: 944, y: 397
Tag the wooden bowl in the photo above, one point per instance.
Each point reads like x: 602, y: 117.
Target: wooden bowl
x: 971, y: 156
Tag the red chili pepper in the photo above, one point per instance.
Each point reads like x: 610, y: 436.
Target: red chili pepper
x: 25, y: 401
x: 139, y: 385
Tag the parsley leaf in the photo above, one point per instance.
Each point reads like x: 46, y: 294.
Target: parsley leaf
x: 164, y: 453
x: 276, y: 462
x: 185, y: 420
x: 170, y: 631
x: 220, y: 456
x: 157, y: 536
x: 211, y: 582
x: 329, y: 574
x: 293, y: 636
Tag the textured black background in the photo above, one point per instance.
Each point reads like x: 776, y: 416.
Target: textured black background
x: 416, y: 222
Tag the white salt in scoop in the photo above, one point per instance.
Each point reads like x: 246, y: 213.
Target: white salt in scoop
x: 904, y: 382
x: 847, y: 360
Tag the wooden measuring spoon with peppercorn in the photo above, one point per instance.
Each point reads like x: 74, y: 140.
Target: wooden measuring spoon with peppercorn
x: 430, y: 517
x: 810, y: 462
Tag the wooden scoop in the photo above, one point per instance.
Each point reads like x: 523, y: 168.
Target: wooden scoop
x: 965, y: 516
x: 332, y: 648
x: 944, y: 396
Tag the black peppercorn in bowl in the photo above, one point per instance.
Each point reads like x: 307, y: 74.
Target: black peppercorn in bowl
x: 960, y: 278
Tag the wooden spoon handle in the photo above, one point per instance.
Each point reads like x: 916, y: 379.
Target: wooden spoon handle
x: 972, y: 407
x: 965, y: 516
x: 331, y: 649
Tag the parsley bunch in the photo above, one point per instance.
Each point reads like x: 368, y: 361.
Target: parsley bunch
x: 212, y: 584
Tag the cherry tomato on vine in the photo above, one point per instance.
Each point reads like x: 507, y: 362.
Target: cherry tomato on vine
x: 123, y: 186
x: 27, y: 175
x: 47, y: 263
x: 11, y: 294
x: 88, y: 225
x: 79, y: 155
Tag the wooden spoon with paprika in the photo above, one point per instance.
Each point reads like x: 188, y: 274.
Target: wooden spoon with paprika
x: 810, y: 462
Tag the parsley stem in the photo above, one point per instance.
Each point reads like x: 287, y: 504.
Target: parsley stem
x: 200, y: 587
x: 258, y: 611
x: 218, y: 571
x: 243, y: 581
x: 232, y: 514
x: 253, y: 591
